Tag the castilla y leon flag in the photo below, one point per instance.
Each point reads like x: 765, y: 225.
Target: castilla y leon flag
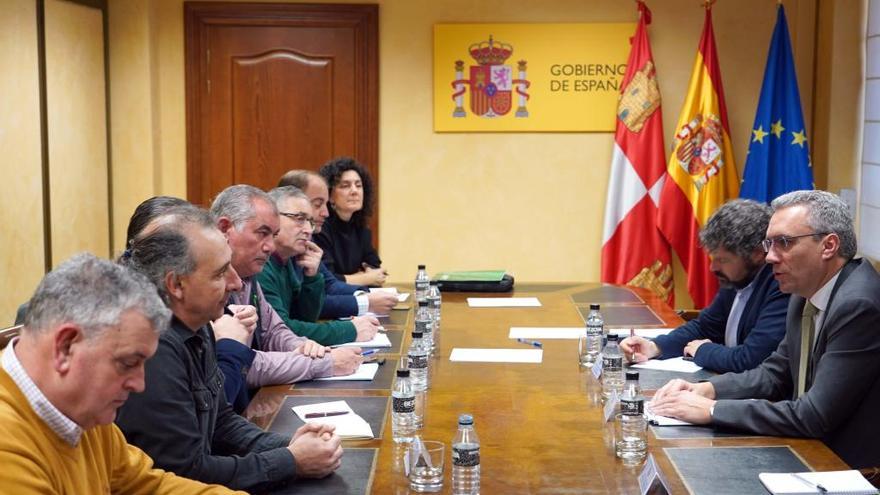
x: 634, y: 252
x: 701, y: 172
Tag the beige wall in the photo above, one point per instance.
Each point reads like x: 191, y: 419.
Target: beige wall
x: 531, y: 203
x: 77, y: 130
x: 21, y: 201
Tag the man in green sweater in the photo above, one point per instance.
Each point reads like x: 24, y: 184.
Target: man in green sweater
x: 292, y: 283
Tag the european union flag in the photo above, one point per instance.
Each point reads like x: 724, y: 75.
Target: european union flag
x: 779, y: 158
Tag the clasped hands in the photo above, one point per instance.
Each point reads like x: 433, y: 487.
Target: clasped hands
x: 686, y: 401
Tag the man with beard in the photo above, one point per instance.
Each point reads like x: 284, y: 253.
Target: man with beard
x: 746, y: 320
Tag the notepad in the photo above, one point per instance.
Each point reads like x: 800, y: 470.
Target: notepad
x: 365, y: 372
x: 674, y: 364
x: 348, y: 426
x: 380, y: 340
x: 648, y: 333
x: 497, y: 355
x: 503, y: 302
x: 848, y: 482
x: 571, y: 333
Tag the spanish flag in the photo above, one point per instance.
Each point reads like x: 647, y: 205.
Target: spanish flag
x: 701, y: 170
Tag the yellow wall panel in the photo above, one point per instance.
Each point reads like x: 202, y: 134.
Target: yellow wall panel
x: 133, y: 110
x: 21, y: 201
x: 77, y: 130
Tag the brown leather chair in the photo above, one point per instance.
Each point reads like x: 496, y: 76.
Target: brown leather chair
x: 7, y: 334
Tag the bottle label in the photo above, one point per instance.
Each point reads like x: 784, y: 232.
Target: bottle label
x: 422, y: 285
x: 612, y: 363
x: 403, y: 404
x: 466, y: 456
x: 423, y: 326
x: 594, y: 330
x: 418, y: 362
x: 632, y: 407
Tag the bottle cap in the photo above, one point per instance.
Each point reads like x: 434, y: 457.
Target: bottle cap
x: 421, y: 267
x: 465, y: 420
x: 594, y: 306
x: 632, y: 376
x: 417, y: 335
x: 432, y: 282
x: 423, y: 302
x: 613, y: 337
x: 403, y: 373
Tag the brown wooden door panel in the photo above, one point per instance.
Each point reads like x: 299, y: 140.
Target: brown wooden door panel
x: 276, y: 87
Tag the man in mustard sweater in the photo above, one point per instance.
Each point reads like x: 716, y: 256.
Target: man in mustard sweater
x: 89, y: 329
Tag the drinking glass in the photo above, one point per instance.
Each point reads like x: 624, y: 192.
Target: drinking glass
x: 427, y: 476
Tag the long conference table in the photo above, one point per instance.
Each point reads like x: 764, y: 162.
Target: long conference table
x: 540, y: 425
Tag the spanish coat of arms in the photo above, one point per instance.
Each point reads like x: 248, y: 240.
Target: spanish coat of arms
x: 491, y: 81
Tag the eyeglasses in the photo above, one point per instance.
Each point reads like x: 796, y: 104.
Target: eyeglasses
x: 299, y: 218
x: 783, y: 242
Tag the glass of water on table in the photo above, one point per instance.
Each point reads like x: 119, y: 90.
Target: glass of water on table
x: 426, y: 466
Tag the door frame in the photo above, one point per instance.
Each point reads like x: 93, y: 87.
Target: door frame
x: 363, y: 18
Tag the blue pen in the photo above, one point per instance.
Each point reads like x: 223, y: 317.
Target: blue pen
x: 533, y: 343
x: 369, y: 352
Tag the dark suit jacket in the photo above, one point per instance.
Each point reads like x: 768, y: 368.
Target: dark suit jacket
x: 842, y: 400
x: 761, y: 327
x: 338, y: 300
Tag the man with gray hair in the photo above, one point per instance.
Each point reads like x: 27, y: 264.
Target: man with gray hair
x: 746, y: 319
x: 249, y: 219
x: 292, y: 282
x: 824, y: 379
x: 183, y: 419
x: 90, y: 327
x: 342, y: 299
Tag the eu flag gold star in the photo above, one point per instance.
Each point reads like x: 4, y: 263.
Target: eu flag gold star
x: 759, y: 134
x: 776, y: 129
x: 799, y: 138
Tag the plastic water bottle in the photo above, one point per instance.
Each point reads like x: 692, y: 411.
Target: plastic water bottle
x: 612, y: 367
x: 422, y: 282
x: 466, y: 458
x: 403, y: 401
x: 632, y: 446
x: 418, y: 363
x: 592, y: 341
x: 434, y: 301
x: 424, y: 324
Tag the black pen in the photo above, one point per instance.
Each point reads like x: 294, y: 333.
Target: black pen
x: 325, y: 414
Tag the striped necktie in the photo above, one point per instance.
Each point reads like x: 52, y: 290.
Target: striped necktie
x: 808, y: 329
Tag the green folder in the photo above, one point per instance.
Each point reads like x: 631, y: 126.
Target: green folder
x: 471, y: 276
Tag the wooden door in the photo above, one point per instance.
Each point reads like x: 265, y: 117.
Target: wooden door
x: 274, y: 87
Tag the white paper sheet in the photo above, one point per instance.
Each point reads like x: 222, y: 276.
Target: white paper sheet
x: 497, y: 355
x: 648, y: 333
x: 673, y: 364
x: 401, y: 296
x: 546, y: 332
x: 380, y: 340
x: 365, y: 372
x: 348, y: 426
x: 833, y: 481
x: 503, y: 302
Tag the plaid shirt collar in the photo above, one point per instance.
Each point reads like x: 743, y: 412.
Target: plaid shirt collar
x: 63, y: 426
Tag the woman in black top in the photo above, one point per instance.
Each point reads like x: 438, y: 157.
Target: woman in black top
x: 345, y: 238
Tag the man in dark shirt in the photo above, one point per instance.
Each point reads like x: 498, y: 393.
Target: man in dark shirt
x: 182, y: 419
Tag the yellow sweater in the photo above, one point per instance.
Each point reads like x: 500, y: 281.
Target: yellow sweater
x: 35, y: 460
